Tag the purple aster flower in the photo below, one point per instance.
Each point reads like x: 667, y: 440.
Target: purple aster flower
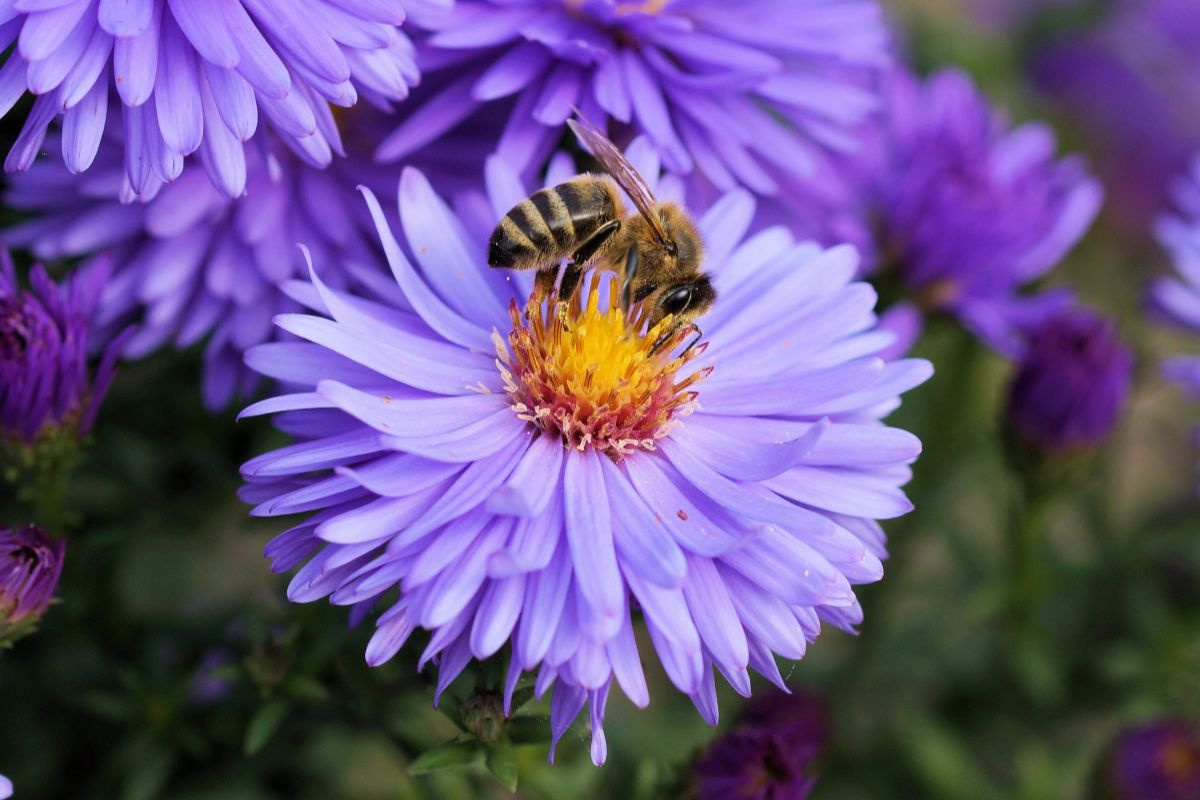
x: 741, y: 94
x: 45, y: 388
x: 192, y: 77
x: 1072, y: 383
x: 6, y: 788
x: 1156, y: 761
x: 967, y: 210
x: 768, y: 755
x: 1131, y: 83
x: 547, y: 478
x: 191, y: 262
x: 30, y: 563
x: 1177, y: 299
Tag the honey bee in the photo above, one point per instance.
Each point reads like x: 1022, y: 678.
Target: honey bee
x: 657, y: 251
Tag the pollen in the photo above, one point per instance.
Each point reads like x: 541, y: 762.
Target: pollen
x: 597, y: 377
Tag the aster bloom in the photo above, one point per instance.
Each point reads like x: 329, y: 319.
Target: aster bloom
x: 190, y: 261
x: 6, y: 788
x: 45, y: 388
x: 1177, y: 299
x: 1129, y: 81
x: 768, y: 755
x: 538, y: 474
x: 30, y: 563
x: 193, y: 77
x: 745, y: 94
x: 966, y: 210
x: 1156, y: 761
x: 1072, y: 383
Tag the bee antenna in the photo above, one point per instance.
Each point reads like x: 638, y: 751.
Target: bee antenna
x: 631, y: 265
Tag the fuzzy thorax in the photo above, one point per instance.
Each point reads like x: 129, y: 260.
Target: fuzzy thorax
x: 593, y: 376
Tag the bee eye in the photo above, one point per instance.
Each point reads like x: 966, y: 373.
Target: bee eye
x: 671, y: 248
x: 677, y: 300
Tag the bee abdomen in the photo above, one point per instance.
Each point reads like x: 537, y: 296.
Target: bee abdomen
x: 550, y: 224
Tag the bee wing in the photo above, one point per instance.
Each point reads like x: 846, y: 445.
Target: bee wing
x: 615, y: 164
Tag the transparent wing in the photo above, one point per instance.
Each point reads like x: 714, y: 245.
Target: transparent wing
x: 615, y: 164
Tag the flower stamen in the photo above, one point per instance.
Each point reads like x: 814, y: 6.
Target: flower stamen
x: 594, y: 377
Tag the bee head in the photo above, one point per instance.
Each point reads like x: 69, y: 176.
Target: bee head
x: 684, y: 301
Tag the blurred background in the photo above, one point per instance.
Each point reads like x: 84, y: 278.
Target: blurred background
x: 175, y: 668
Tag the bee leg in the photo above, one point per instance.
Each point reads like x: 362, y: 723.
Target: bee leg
x: 544, y: 280
x: 597, y: 240
x: 669, y: 335
x: 570, y: 280
x: 584, y: 254
x: 631, y: 265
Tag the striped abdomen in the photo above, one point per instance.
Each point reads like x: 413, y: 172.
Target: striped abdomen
x: 553, y: 223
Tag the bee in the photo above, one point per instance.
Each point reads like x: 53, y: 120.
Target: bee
x: 657, y: 251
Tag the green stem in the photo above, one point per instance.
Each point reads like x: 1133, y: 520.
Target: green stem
x: 48, y: 500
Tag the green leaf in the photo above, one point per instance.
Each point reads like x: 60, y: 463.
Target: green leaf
x: 147, y: 779
x: 446, y: 756
x: 451, y: 707
x: 303, y: 687
x: 502, y: 762
x: 263, y: 726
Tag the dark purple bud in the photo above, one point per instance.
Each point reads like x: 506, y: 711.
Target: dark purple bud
x: 768, y: 755
x: 30, y: 563
x: 1157, y: 761
x: 1071, y: 385
x: 45, y: 387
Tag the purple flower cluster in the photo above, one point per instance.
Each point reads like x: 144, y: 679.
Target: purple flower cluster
x: 738, y: 94
x: 1130, y: 83
x: 189, y: 261
x: 1177, y: 299
x: 965, y: 210
x: 193, y: 77
x: 737, y: 506
x: 45, y: 388
x: 30, y: 563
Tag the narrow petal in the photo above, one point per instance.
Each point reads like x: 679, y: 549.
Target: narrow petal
x: 589, y: 534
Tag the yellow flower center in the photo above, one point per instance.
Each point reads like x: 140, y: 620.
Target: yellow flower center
x: 592, y: 376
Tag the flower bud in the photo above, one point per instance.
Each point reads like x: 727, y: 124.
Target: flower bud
x: 768, y: 754
x: 1157, y: 761
x: 47, y: 397
x: 30, y: 563
x: 1072, y: 383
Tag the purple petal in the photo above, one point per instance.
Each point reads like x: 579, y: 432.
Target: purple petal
x: 589, y: 534
x: 389, y: 636
x: 642, y: 542
x: 45, y: 32
x: 676, y: 512
x: 126, y: 18
x: 177, y: 92
x: 533, y: 482
x: 713, y: 611
x: 497, y: 615
x: 545, y: 596
x: 82, y: 128
x: 207, y: 30
x: 234, y: 99
x: 135, y: 61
